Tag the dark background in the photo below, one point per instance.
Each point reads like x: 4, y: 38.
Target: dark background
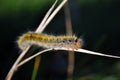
x: 97, y: 21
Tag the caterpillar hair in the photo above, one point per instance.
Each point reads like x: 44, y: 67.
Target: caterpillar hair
x: 48, y: 41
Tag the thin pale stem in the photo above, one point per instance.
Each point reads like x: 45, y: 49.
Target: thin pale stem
x: 79, y: 50
x: 54, y: 13
x: 39, y: 30
x: 46, y: 17
x: 28, y: 59
x: 96, y: 53
x: 12, y: 70
x: 88, y: 52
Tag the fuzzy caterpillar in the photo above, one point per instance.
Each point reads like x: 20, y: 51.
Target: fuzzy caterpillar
x: 48, y: 41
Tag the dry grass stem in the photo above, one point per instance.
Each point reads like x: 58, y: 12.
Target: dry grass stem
x: 79, y: 50
x: 28, y: 59
x: 53, y: 14
x: 88, y: 52
x: 39, y: 30
x: 70, y: 68
x: 12, y: 70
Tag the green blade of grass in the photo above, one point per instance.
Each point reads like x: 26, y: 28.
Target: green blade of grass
x: 36, y: 67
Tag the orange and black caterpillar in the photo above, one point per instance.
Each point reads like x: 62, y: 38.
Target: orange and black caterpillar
x: 48, y: 41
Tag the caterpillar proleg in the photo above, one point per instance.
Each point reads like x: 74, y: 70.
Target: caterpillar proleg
x: 48, y: 41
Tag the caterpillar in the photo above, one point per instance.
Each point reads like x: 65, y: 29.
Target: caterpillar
x: 48, y: 41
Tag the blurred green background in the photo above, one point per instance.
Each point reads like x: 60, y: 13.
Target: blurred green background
x: 96, y: 21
